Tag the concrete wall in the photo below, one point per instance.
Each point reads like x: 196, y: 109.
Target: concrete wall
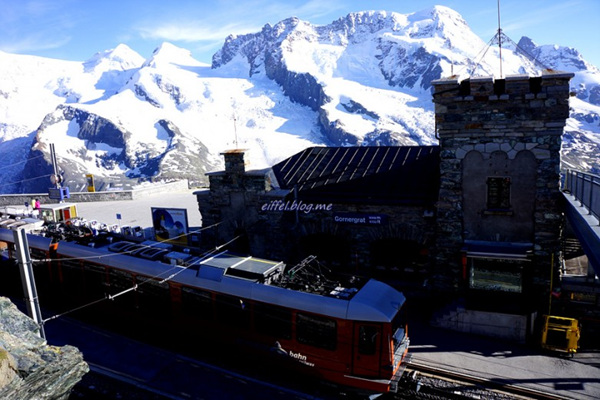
x: 83, y: 197
x: 515, y: 328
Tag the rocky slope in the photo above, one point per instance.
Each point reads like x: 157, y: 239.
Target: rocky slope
x: 29, y: 367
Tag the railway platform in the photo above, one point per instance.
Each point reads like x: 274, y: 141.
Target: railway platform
x: 507, y: 363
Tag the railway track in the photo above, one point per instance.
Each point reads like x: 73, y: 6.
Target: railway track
x: 429, y: 382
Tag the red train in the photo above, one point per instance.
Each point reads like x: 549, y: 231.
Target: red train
x: 349, y: 333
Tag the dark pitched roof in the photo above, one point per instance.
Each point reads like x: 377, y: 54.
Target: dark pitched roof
x: 387, y: 174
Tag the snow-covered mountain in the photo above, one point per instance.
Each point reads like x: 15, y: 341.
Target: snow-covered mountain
x: 364, y: 79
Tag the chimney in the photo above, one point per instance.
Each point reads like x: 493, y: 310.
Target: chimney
x: 234, y: 162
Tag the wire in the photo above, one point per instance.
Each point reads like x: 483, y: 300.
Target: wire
x: 140, y: 246
x: 501, y: 36
x: 23, y: 162
x: 137, y: 285
x: 335, y: 337
x: 26, y: 180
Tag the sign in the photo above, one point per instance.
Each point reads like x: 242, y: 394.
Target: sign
x: 170, y: 225
x: 360, y: 218
x: 59, y: 193
x: 90, y: 183
x: 498, y: 193
x: 118, y: 216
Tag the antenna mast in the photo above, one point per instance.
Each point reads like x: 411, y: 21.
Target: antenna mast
x: 499, y: 39
x: 235, y: 131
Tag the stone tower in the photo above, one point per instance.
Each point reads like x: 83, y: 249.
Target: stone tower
x: 499, y: 214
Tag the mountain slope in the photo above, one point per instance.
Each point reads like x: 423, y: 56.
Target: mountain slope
x: 364, y: 79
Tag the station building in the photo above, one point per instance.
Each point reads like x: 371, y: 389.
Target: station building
x: 478, y: 217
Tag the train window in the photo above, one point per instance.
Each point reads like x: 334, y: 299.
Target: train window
x: 154, y: 297
x: 232, y: 311
x: 316, y: 331
x: 273, y: 321
x: 197, y: 303
x: 94, y: 281
x: 367, y: 339
x: 72, y: 277
x: 119, y: 281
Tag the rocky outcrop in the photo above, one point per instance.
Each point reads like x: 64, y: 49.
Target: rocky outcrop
x: 180, y: 159
x: 94, y: 130
x: 29, y: 367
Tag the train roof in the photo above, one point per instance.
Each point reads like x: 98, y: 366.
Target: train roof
x: 246, y: 277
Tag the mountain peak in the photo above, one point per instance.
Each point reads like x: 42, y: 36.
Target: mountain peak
x: 121, y: 57
x: 363, y: 79
x: 168, y: 53
x: 437, y: 21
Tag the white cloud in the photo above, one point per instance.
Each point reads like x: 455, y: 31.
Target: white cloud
x: 192, y: 31
x: 249, y: 17
x: 34, y: 43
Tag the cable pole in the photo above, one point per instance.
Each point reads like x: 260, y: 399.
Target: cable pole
x: 500, y: 39
x: 54, y: 166
x: 28, y: 279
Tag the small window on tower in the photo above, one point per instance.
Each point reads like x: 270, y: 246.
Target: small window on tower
x: 498, y: 193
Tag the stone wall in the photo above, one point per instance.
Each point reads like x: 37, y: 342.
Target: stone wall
x: 505, y: 127
x: 231, y: 206
x: 278, y: 224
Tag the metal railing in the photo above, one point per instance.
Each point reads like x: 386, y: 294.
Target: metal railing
x: 585, y: 188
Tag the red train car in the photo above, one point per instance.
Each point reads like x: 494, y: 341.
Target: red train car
x: 352, y: 333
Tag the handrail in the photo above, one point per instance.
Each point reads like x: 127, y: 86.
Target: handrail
x: 585, y: 187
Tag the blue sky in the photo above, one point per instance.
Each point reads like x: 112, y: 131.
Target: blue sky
x: 76, y: 29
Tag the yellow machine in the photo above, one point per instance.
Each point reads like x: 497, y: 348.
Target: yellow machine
x: 560, y: 334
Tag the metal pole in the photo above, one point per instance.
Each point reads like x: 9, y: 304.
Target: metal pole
x: 591, y: 198
x: 54, y: 165
x: 499, y: 39
x: 577, y: 196
x: 28, y: 280
x: 551, y: 282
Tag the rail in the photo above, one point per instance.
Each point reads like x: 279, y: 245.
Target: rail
x: 585, y: 188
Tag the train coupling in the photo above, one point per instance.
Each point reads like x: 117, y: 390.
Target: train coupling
x: 410, y: 380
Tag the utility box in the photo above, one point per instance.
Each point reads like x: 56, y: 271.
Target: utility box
x: 560, y: 334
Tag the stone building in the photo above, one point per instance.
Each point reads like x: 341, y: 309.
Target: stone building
x: 499, y: 215
x: 478, y: 218
x: 366, y: 209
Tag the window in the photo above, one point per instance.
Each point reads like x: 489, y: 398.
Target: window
x: 197, y: 303
x: 316, y: 331
x: 367, y: 339
x: 496, y: 275
x: 273, y: 321
x: 232, y: 311
x: 498, y: 193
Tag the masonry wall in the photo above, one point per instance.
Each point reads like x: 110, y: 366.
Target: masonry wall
x: 245, y: 202
x: 230, y: 208
x: 505, y: 127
